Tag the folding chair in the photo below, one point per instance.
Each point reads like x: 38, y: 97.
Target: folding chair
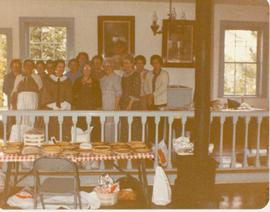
x: 66, y: 185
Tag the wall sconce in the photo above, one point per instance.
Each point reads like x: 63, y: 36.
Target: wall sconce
x: 171, y: 16
x: 155, y: 26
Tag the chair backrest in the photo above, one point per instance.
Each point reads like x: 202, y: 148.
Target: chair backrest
x: 54, y: 164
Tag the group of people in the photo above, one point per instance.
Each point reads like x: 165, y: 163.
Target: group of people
x: 117, y: 83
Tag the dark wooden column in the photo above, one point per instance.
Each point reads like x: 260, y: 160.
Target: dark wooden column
x: 202, y: 76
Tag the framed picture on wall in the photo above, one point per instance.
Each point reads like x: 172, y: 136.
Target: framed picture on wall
x: 178, y: 43
x: 116, y: 35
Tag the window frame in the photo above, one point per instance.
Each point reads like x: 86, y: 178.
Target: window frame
x: 262, y: 55
x: 26, y: 22
x: 8, y: 33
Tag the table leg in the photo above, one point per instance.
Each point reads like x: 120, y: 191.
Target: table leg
x: 16, y: 174
x: 144, y: 181
x: 7, y: 182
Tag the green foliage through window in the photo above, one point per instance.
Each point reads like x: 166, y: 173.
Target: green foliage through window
x: 47, y: 42
x: 240, y: 62
x: 3, y: 64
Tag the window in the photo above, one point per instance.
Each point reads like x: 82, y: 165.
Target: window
x: 46, y: 42
x: 47, y: 38
x: 243, y: 62
x: 5, y: 56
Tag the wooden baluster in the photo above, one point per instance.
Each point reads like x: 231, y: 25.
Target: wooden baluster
x: 4, y: 119
x: 183, y: 121
x: 233, y: 157
x: 257, y: 162
x: 116, y: 121
x: 157, y: 120
x: 170, y: 120
x: 88, y: 120
x: 143, y: 129
x: 46, y: 122
x: 245, y: 161
x: 222, y: 120
x: 130, y: 118
x: 102, y: 122
x: 32, y: 120
x: 74, y: 129
x: 60, y: 122
x: 19, y: 124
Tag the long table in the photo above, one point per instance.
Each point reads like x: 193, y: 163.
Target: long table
x: 15, y: 159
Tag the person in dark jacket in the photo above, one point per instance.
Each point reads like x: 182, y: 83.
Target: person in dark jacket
x: 130, y: 99
x: 87, y: 96
x: 9, y: 79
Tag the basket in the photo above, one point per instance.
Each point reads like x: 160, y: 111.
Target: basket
x: 108, y: 199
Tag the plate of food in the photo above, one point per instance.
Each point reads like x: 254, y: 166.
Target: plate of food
x: 69, y: 152
x: 142, y: 150
x: 119, y: 145
x: 12, y: 150
x: 51, y: 150
x: 122, y: 151
x: 31, y: 150
x: 104, y: 149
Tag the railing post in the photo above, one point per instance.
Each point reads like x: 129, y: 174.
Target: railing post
x: 102, y: 122
x: 18, y: 123
x: 157, y: 120
x: 247, y: 119
x: 4, y: 117
x: 60, y: 122
x: 88, y: 120
x: 74, y: 123
x: 170, y: 120
x: 46, y: 122
x: 235, y: 119
x: 222, y: 120
x: 116, y: 121
x: 183, y: 122
x: 130, y: 119
x: 143, y: 128
x: 259, y: 120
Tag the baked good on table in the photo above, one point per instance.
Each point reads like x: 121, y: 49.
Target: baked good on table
x: 122, y: 151
x: 85, y: 146
x: 100, y: 144
x: 127, y: 194
x: 119, y: 145
x: 69, y: 152
x: 104, y: 149
x: 14, y: 143
x: 11, y: 150
x: 51, y: 150
x: 142, y: 150
x: 34, y: 137
x: 31, y: 150
x: 85, y: 152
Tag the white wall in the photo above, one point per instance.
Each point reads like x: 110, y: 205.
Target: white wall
x: 85, y: 13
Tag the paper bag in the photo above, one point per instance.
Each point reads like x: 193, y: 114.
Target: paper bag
x: 162, y: 193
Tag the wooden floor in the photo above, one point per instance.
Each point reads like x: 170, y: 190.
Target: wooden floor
x: 228, y: 196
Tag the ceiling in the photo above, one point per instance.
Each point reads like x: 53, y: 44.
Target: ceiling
x: 236, y: 2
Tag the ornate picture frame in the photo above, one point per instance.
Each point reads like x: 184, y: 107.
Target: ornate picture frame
x: 178, y: 43
x: 116, y: 35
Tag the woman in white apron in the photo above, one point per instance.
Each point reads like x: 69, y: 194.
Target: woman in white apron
x: 25, y: 93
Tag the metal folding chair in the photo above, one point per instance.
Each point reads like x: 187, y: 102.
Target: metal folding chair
x: 67, y: 184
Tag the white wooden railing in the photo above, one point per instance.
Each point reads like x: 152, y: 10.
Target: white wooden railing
x: 231, y: 150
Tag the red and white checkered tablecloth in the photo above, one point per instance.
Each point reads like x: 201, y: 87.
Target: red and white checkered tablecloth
x: 79, y: 158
